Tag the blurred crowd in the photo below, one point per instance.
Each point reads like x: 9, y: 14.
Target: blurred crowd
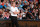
x: 28, y: 9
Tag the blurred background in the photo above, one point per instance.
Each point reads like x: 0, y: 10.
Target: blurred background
x: 29, y: 9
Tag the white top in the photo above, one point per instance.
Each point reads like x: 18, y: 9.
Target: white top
x: 13, y: 10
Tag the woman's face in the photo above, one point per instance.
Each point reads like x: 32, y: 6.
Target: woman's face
x: 14, y: 4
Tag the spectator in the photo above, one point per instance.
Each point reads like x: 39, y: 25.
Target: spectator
x: 25, y: 6
x: 0, y: 13
x: 6, y: 14
x: 32, y: 5
x: 28, y: 8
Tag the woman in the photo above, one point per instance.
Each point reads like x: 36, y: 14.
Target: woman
x: 14, y: 11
